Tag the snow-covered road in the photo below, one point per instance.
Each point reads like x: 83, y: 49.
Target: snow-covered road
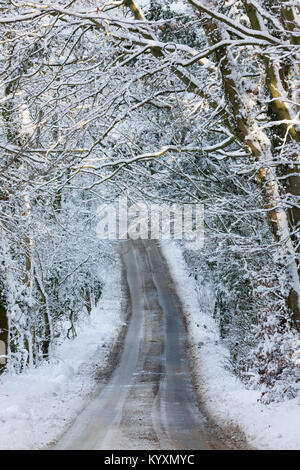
x: 149, y: 402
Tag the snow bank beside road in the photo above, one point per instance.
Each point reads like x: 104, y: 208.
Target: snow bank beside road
x: 37, y: 406
x: 228, y: 401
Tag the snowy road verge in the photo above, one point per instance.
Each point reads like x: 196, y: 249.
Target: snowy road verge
x: 37, y: 406
x: 226, y: 398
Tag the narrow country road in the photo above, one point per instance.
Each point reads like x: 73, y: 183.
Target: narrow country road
x: 149, y: 402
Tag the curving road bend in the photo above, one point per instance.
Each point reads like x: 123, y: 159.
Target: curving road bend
x: 149, y: 402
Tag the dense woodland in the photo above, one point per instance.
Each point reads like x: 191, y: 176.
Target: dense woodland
x: 164, y: 101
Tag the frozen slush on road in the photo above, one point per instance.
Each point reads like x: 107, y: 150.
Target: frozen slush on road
x: 149, y: 402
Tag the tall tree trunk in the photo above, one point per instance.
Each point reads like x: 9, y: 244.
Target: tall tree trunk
x: 3, y: 331
x: 47, y: 321
x: 279, y: 78
x: 256, y: 139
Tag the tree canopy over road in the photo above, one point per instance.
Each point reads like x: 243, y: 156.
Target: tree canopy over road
x: 178, y: 101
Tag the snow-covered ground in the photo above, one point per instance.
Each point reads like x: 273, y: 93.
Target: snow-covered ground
x: 37, y: 406
x: 274, y: 426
